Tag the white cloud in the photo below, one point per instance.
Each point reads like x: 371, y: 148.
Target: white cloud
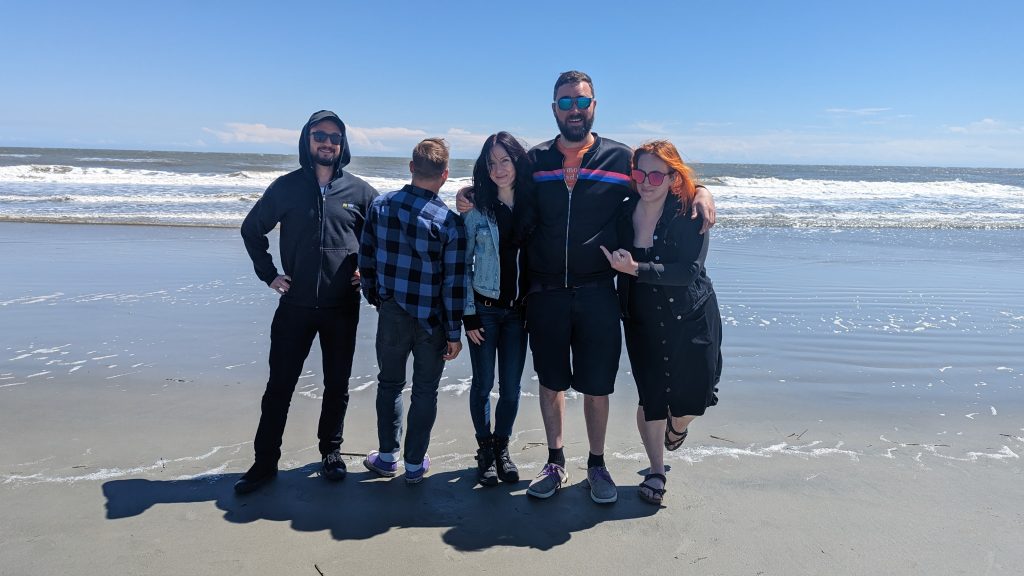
x: 988, y: 142
x: 363, y: 140
x: 464, y: 141
x: 652, y: 127
x: 382, y: 139
x: 792, y: 147
x: 238, y: 132
x: 398, y: 139
x: 857, y: 111
x: 987, y: 126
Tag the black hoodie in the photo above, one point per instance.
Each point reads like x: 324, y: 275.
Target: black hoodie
x: 319, y: 231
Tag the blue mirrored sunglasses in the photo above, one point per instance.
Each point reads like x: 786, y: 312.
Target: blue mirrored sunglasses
x: 582, y: 102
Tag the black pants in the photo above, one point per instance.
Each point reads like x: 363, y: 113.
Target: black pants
x: 291, y: 336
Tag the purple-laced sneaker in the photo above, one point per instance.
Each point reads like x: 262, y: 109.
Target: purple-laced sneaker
x: 416, y: 476
x: 602, y: 487
x: 375, y: 464
x: 547, y: 483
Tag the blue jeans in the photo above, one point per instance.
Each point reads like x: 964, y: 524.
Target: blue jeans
x: 398, y: 335
x: 504, y: 337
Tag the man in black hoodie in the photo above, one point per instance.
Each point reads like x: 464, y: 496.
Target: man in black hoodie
x: 321, y: 210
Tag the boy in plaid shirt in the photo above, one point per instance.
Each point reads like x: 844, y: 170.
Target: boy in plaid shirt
x: 413, y: 267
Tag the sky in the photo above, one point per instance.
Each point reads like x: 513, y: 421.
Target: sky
x: 921, y: 83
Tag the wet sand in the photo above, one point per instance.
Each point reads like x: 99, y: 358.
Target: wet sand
x: 871, y: 419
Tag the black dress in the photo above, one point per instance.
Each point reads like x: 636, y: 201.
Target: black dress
x: 672, y: 324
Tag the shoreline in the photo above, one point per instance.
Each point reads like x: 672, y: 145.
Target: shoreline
x: 91, y: 222
x: 722, y: 224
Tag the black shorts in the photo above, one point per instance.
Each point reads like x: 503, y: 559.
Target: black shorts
x: 575, y: 337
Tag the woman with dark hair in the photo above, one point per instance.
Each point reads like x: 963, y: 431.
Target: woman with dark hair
x: 670, y: 312
x: 493, y: 316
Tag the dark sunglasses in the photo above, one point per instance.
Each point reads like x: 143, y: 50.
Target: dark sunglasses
x: 653, y: 177
x: 582, y: 102
x: 322, y: 137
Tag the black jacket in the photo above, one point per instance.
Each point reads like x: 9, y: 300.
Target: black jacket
x: 320, y: 233
x: 566, y: 229
x: 681, y: 248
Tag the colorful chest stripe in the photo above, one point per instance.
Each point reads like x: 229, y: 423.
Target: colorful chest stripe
x: 585, y: 174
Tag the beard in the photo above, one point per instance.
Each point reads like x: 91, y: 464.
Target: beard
x: 328, y: 160
x: 576, y: 133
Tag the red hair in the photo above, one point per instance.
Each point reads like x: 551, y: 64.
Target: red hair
x: 684, y: 186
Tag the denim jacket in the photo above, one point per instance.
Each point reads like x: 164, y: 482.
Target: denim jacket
x: 482, y: 262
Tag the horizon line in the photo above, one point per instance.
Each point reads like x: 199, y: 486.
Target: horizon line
x: 225, y: 152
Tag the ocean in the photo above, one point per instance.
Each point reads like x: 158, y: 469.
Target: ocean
x: 217, y: 189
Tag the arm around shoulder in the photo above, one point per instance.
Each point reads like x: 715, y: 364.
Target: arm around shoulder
x: 469, y: 222
x: 704, y: 206
x: 454, y: 285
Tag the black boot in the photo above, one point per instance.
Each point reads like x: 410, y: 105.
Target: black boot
x: 258, y: 475
x: 506, y: 470
x: 485, y: 472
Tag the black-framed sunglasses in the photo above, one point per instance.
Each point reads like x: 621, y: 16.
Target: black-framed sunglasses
x: 582, y: 102
x: 322, y: 137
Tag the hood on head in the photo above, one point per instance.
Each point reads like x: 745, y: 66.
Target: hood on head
x: 304, y: 157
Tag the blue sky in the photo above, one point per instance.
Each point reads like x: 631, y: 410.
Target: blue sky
x: 934, y: 83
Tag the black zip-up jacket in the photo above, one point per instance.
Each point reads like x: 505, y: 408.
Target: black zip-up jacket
x: 566, y: 229
x: 320, y: 233
x: 681, y: 249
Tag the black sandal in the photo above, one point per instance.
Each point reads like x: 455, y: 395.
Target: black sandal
x: 671, y: 444
x: 656, y: 495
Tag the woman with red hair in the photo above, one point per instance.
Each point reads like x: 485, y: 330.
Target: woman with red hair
x: 670, y: 312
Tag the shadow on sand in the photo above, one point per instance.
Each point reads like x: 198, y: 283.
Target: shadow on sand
x: 363, y: 506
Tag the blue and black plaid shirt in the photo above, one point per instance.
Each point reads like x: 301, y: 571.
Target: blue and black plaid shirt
x: 414, y: 250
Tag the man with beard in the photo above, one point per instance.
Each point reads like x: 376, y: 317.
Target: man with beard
x: 321, y: 210
x: 572, y: 311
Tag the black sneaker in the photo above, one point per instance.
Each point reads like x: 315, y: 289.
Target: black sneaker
x: 334, y: 467
x: 255, y: 478
x: 506, y: 469
x: 486, y: 475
